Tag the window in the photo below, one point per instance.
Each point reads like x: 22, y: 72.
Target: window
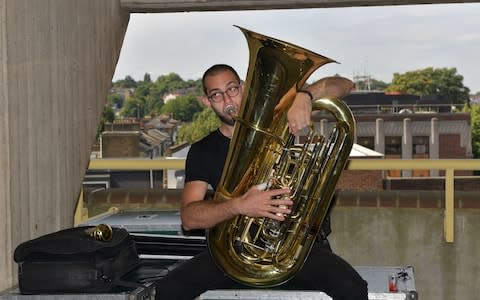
x: 420, y: 146
x: 366, y: 141
x: 393, y: 145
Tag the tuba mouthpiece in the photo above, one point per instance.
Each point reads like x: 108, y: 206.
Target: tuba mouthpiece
x: 230, y: 109
x: 102, y: 232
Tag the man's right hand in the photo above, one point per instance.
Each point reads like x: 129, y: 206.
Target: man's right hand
x: 197, y: 213
x: 258, y: 203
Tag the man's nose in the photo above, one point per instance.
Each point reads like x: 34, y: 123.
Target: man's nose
x: 227, y: 99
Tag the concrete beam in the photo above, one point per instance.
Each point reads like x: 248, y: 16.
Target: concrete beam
x: 151, y: 6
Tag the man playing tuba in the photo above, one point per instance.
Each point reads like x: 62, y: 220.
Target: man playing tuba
x: 323, y: 270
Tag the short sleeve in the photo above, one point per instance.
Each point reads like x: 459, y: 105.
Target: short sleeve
x: 194, y: 169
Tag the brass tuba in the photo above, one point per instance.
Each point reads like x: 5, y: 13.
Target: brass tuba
x: 262, y: 252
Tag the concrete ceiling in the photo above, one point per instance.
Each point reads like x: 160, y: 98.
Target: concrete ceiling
x: 150, y: 6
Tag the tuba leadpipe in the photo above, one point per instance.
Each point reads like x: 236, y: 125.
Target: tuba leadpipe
x: 263, y: 252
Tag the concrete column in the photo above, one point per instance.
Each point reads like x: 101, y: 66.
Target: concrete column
x: 6, y: 268
x: 379, y: 136
x: 434, y: 148
x: 407, y: 144
x: 57, y: 60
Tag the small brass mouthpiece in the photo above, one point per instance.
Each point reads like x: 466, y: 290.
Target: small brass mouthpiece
x: 102, y: 232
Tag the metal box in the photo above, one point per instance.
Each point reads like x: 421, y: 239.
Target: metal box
x: 144, y: 293
x: 378, y: 287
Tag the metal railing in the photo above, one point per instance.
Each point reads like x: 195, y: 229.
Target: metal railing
x: 447, y: 165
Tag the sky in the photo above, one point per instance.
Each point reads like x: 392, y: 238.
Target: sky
x: 373, y: 41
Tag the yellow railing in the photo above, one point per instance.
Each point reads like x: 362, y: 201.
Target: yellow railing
x: 447, y: 165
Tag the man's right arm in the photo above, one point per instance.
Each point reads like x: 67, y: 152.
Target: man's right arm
x: 197, y: 213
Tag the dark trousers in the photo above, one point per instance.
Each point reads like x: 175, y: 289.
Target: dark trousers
x: 323, y: 271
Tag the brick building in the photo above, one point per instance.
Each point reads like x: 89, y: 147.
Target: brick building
x: 406, y: 127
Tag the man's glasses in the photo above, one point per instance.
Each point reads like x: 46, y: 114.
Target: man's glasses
x: 219, y: 96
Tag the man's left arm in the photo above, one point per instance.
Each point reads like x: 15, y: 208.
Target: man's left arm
x: 299, y: 114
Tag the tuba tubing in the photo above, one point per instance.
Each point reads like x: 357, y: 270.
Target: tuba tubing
x: 261, y: 252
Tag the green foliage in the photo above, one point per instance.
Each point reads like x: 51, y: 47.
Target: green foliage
x: 182, y: 108
x: 133, y: 108
x: 115, y: 100
x: 372, y: 84
x: 203, y: 123
x: 172, y: 82
x: 444, y: 81
x: 147, y: 78
x: 128, y: 82
x: 148, y: 96
x: 108, y: 115
x: 475, y: 123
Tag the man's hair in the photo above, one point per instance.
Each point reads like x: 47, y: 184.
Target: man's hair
x: 214, y: 70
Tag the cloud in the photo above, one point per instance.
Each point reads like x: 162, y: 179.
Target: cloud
x: 375, y: 40
x: 469, y: 37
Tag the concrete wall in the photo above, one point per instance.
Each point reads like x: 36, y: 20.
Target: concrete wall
x: 413, y: 236
x: 57, y: 59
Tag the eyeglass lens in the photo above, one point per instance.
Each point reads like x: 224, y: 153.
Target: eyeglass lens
x: 219, y: 96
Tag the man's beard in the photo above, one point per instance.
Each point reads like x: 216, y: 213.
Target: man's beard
x: 223, y: 118
x: 227, y: 120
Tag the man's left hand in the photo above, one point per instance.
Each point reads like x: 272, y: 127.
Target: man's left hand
x: 299, y: 114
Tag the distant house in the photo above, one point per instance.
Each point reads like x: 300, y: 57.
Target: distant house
x: 165, y: 124
x: 147, y: 138
x: 380, y: 102
x: 171, y: 96
x: 475, y: 99
x: 180, y: 92
x: 154, y: 142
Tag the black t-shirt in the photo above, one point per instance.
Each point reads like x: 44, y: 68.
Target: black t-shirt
x: 206, y: 158
x: 205, y: 162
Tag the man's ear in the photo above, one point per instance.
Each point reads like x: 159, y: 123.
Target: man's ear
x: 206, y: 102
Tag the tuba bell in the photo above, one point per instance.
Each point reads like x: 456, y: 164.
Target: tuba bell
x: 262, y: 252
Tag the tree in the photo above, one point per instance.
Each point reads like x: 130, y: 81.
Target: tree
x: 153, y: 104
x: 203, y: 123
x: 182, y: 108
x: 444, y: 82
x: 147, y: 78
x: 115, y: 100
x: 169, y: 83
x: 133, y: 108
x: 475, y: 123
x: 128, y: 82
